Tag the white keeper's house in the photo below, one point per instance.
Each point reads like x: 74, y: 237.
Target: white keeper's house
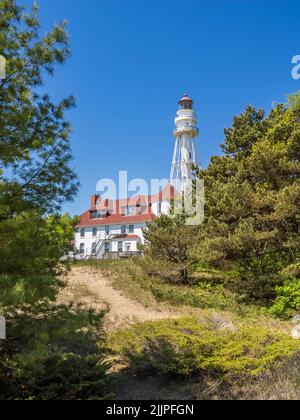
x: 114, y: 228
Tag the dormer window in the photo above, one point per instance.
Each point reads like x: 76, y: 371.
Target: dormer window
x: 94, y: 215
x: 99, y: 215
x: 129, y: 210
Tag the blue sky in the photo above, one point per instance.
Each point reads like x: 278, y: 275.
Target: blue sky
x: 133, y: 59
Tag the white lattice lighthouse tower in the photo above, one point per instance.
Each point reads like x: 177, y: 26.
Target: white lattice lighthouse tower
x: 185, y: 153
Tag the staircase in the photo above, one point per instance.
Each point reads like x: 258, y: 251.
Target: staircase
x: 97, y: 254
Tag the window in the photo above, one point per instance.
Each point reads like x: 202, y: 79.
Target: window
x: 81, y: 249
x: 94, y: 246
x: 98, y: 215
x: 94, y: 215
x: 95, y: 231
x: 123, y: 230
x: 107, y: 247
x: 129, y: 211
x: 131, y: 229
x: 128, y: 247
x: 159, y: 208
x: 120, y: 246
x: 107, y: 230
x: 82, y: 233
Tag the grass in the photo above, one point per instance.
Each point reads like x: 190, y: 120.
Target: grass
x: 126, y: 277
x: 207, y: 293
x: 81, y: 292
x: 209, y: 296
x: 129, y: 277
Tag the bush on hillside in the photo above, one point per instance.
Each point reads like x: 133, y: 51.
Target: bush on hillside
x: 185, y: 347
x: 65, y: 376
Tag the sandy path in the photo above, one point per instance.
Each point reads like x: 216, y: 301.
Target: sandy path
x: 94, y: 288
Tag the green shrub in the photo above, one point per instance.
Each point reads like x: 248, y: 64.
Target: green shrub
x: 54, y: 353
x: 65, y: 376
x: 186, y: 347
x: 21, y: 290
x: 32, y: 244
x: 288, y: 299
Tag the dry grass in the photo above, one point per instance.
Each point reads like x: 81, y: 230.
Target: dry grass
x: 126, y: 277
x: 95, y: 289
x: 119, y: 273
x: 280, y: 383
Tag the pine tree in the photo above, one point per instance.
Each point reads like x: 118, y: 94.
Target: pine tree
x: 52, y: 351
x: 169, y: 247
x: 253, y: 199
x: 34, y: 150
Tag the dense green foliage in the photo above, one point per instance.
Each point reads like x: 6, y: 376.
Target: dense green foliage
x: 253, y: 200
x: 34, y: 150
x: 32, y: 243
x: 187, y: 346
x: 52, y: 351
x: 288, y: 299
x: 35, y: 172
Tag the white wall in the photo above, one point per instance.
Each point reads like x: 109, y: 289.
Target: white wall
x: 133, y: 245
x: 89, y: 239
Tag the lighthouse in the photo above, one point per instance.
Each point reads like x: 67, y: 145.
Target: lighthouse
x: 185, y: 152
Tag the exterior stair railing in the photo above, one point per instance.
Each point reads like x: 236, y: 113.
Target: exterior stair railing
x: 95, y: 252
x: 100, y: 244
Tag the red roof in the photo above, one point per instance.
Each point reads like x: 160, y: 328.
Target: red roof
x: 186, y: 98
x: 85, y: 219
x: 115, y: 208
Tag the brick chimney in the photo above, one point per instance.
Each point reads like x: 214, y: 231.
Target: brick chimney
x: 94, y: 199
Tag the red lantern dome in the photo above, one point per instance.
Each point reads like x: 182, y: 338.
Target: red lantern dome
x: 186, y: 99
